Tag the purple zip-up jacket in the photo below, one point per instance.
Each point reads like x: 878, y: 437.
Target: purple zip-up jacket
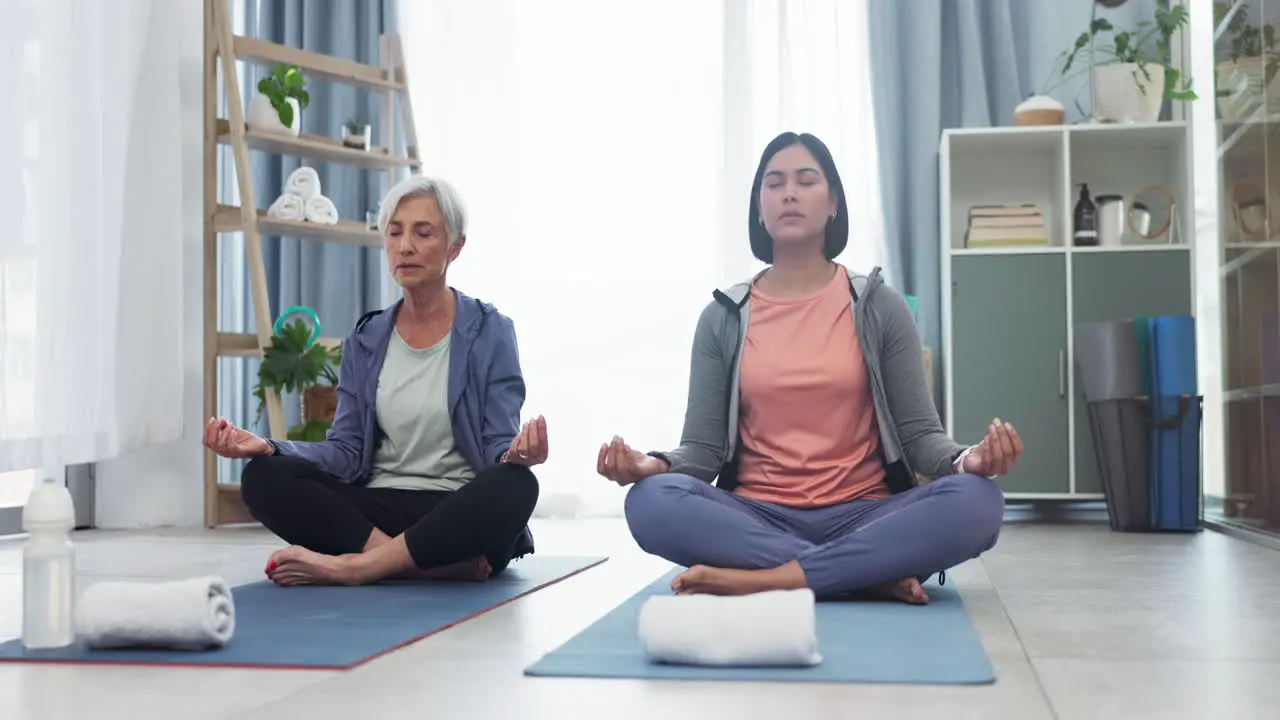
x: 486, y: 393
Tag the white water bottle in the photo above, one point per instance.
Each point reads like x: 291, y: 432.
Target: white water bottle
x: 48, y: 567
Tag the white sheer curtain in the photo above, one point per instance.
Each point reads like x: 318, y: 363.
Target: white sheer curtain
x: 802, y: 65
x: 91, y: 192
x: 605, y: 151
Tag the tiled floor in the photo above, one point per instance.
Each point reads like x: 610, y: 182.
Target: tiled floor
x: 1078, y: 621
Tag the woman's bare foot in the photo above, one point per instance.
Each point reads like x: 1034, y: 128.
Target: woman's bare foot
x: 907, y: 590
x: 474, y: 570
x: 703, y: 579
x: 296, y: 565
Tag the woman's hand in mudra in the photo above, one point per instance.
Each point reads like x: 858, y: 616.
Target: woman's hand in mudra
x: 229, y: 441
x: 998, y: 452
x: 624, y: 465
x: 530, y: 446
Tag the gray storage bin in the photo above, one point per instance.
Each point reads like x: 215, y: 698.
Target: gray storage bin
x: 1121, y: 432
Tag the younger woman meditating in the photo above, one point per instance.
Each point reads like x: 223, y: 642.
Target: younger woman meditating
x: 810, y: 411
x: 426, y: 471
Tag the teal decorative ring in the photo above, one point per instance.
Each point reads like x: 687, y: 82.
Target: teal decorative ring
x: 300, y: 310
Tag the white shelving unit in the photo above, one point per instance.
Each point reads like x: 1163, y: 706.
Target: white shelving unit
x: 1008, y: 312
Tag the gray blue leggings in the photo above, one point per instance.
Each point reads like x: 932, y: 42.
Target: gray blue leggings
x: 841, y: 548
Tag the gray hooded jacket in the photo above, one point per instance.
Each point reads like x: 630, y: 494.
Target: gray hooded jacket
x: 911, y: 436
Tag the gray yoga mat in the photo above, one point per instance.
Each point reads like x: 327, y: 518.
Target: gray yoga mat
x: 1107, y: 355
x: 334, y: 627
x: 861, y: 641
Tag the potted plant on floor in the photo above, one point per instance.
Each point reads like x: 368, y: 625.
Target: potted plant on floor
x: 357, y: 134
x: 277, y: 105
x: 1132, y: 69
x: 1246, y: 78
x: 295, y: 363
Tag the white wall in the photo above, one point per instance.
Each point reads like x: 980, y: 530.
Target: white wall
x: 161, y: 485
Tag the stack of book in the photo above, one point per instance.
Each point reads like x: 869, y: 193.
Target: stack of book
x: 1005, y: 226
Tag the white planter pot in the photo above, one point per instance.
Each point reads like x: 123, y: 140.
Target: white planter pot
x: 1241, y: 83
x: 262, y: 117
x: 1123, y: 94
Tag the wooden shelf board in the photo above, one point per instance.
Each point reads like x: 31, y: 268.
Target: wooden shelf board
x: 246, y: 344
x: 227, y: 219
x: 314, y: 64
x: 231, y: 507
x: 317, y: 147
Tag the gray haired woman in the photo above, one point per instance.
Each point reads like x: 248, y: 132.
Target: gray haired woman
x: 426, y: 470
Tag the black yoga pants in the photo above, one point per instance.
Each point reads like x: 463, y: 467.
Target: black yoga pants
x: 303, y: 505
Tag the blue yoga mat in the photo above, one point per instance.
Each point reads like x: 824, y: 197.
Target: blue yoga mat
x: 1175, y: 451
x: 335, y: 627
x: 860, y: 641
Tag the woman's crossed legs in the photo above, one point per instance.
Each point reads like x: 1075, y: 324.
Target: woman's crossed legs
x: 351, y: 534
x: 734, y: 545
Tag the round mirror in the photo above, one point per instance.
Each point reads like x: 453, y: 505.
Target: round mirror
x: 1249, y: 210
x: 1151, y: 212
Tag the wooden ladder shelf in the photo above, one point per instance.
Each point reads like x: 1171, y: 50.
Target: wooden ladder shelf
x: 223, y: 48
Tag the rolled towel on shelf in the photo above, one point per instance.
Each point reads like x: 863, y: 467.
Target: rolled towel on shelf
x: 192, y: 614
x: 288, y: 207
x: 769, y: 629
x: 303, y: 182
x: 321, y: 210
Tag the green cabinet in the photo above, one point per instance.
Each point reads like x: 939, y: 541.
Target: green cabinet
x: 1107, y: 286
x: 1009, y: 340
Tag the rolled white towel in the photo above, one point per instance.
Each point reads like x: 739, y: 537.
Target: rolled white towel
x: 192, y: 614
x: 774, y: 629
x: 303, y: 182
x: 288, y: 207
x: 320, y: 209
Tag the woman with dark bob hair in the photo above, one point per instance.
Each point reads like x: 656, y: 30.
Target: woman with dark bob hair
x: 808, y: 419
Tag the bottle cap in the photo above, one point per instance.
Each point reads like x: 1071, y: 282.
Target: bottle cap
x: 49, y: 507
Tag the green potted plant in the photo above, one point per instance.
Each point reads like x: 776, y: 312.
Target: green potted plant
x: 1245, y: 77
x: 292, y: 363
x: 357, y: 134
x: 277, y: 105
x: 1132, y: 69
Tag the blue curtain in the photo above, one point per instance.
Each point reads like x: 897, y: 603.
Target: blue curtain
x: 341, y: 282
x: 940, y: 64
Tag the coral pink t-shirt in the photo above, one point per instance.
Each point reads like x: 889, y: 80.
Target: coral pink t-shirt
x: 807, y: 423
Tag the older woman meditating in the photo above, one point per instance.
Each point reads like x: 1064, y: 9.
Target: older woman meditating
x: 426, y: 470
x: 810, y: 411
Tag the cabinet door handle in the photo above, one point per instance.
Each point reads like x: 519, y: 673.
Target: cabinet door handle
x: 1062, y: 373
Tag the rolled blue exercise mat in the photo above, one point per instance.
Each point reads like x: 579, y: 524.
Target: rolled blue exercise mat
x: 1175, y: 432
